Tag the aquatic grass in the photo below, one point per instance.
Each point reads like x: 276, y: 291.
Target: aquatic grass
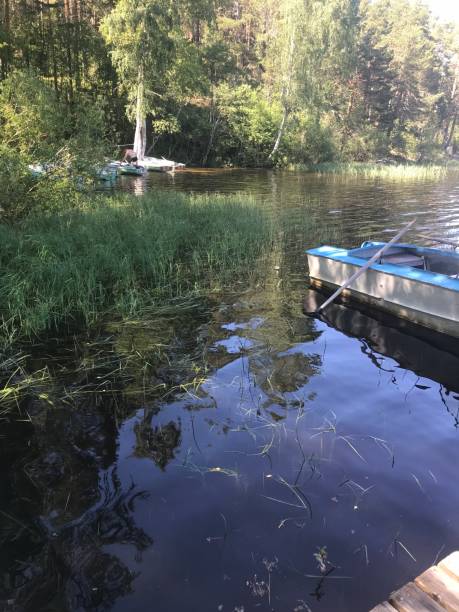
x: 18, y: 385
x: 122, y: 254
x: 395, y: 172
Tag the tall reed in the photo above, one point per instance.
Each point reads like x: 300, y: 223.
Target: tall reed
x: 396, y: 172
x: 119, y: 254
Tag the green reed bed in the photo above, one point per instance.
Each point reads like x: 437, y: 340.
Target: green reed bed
x: 396, y: 172
x: 118, y: 255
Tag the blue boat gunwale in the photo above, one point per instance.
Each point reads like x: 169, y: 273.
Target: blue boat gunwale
x: 421, y: 276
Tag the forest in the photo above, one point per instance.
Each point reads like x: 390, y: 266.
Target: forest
x: 247, y: 83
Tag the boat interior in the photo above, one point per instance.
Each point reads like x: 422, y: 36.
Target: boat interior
x: 433, y: 260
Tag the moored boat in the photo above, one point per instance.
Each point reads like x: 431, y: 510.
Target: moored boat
x: 156, y: 164
x: 37, y: 170
x: 419, y: 284
x: 122, y: 167
x: 130, y: 169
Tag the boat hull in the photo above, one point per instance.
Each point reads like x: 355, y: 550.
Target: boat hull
x: 156, y: 164
x: 423, y: 298
x: 131, y: 171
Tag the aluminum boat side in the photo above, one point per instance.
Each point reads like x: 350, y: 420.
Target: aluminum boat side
x: 425, y: 292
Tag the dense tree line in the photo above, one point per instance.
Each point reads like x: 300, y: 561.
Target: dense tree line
x: 243, y: 82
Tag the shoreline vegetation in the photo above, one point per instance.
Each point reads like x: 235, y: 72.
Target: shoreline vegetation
x: 72, y: 265
x: 382, y: 170
x: 113, y: 256
x: 117, y: 279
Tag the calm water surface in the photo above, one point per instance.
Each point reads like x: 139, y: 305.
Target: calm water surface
x: 304, y: 465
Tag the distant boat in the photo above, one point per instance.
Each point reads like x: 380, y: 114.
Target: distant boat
x: 156, y: 164
x: 418, y: 284
x: 39, y: 170
x: 122, y: 167
x: 131, y: 169
x: 107, y: 174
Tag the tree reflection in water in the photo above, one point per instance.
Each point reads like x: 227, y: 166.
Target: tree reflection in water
x: 157, y: 443
x: 64, y: 504
x: 70, y: 570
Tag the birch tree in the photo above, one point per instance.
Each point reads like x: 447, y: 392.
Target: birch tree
x: 312, y: 55
x: 141, y: 35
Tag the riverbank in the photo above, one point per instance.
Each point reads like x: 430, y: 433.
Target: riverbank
x: 114, y: 255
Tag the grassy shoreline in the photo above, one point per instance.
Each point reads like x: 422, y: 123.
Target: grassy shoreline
x: 114, y: 256
x: 399, y: 172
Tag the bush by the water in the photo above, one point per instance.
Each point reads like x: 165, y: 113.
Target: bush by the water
x: 116, y: 255
x: 39, y: 129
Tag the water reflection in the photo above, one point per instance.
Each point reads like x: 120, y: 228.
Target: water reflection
x: 52, y: 564
x: 156, y: 443
x: 245, y: 456
x: 427, y: 354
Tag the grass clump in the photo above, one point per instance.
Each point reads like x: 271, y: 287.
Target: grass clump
x: 17, y: 385
x: 118, y: 255
x: 396, y: 172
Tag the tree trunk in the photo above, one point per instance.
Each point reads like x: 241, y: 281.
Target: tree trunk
x: 448, y: 132
x: 140, y: 138
x: 6, y: 51
x: 451, y: 131
x: 285, y: 93
x: 280, y: 133
x: 214, y: 121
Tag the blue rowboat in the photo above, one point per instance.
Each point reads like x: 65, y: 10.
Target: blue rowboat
x: 419, y: 284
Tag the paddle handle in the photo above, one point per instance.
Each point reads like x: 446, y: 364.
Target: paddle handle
x: 363, y: 269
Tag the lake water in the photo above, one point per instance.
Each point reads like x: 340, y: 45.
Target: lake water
x: 283, y: 463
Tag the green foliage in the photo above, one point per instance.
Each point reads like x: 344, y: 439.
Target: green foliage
x: 66, y: 141
x: 120, y: 254
x: 21, y: 192
x: 31, y: 116
x: 312, y: 79
x: 140, y: 33
x: 368, y: 143
x: 248, y: 125
x: 403, y: 86
x: 307, y: 140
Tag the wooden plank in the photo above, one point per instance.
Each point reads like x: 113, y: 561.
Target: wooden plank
x: 451, y: 565
x: 410, y: 598
x: 384, y: 607
x: 440, y: 586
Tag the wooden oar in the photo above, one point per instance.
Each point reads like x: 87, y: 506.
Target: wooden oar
x: 439, y: 240
x: 364, y: 268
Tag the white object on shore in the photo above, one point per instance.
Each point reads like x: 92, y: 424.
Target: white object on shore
x: 159, y: 164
